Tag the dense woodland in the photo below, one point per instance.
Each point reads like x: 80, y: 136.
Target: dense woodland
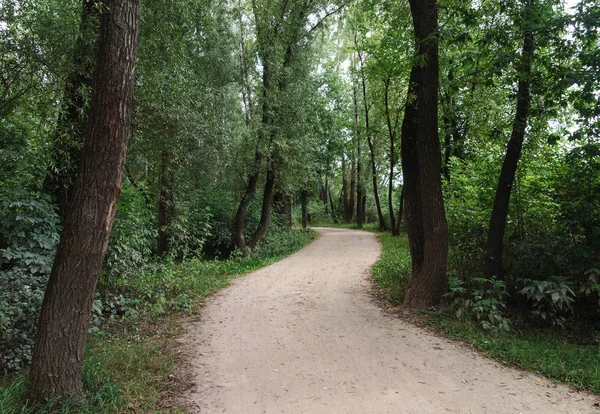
x: 223, y: 128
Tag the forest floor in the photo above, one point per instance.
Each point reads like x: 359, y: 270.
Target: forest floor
x: 305, y: 335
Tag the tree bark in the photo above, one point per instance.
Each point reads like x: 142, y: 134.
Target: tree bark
x: 400, y: 212
x: 347, y: 208
x: 382, y: 225
x: 240, y: 215
x: 392, y: 135
x: 71, y: 126
x: 283, y: 208
x: 428, y: 279
x: 265, y: 215
x: 495, y: 240
x: 359, y: 185
x: 304, y: 197
x: 65, y: 314
x: 333, y: 215
x: 351, y: 199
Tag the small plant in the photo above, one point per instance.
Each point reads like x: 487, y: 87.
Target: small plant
x: 551, y: 298
x: 592, y: 285
x: 483, y: 303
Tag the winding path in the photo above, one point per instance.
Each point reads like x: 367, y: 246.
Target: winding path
x: 304, y: 336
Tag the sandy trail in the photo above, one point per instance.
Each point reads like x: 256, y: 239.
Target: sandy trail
x: 304, y: 336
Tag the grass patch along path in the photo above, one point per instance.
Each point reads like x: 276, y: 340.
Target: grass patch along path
x: 130, y: 360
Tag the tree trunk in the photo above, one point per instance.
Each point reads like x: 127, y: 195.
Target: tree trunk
x: 359, y: 185
x: 495, y: 240
x: 72, y: 119
x: 304, y: 197
x: 400, y: 212
x: 333, y: 215
x: 240, y: 215
x: 392, y: 135
x: 428, y: 279
x: 382, y: 225
x: 65, y: 314
x: 351, y: 199
x: 283, y: 208
x: 265, y: 215
x: 347, y: 207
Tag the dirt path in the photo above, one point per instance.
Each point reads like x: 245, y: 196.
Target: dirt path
x: 304, y: 336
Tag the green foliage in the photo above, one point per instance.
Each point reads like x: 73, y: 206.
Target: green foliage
x: 483, y: 301
x: 29, y: 229
x: 551, y: 299
x: 133, y: 234
x: 392, y: 270
x: 162, y: 288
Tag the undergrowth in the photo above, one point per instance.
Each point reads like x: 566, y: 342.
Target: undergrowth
x: 392, y: 271
x: 129, y: 356
x: 569, y: 356
x: 546, y: 352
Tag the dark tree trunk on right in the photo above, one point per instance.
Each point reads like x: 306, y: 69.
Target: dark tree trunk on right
x: 495, y: 240
x: 425, y: 217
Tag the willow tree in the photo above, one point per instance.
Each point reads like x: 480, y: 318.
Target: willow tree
x: 65, y: 314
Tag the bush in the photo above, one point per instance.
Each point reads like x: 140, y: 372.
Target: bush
x: 30, y: 228
x: 483, y: 302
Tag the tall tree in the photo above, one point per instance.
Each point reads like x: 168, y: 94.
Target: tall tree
x: 495, y: 239
x: 368, y: 132
x: 65, y: 314
x: 425, y: 217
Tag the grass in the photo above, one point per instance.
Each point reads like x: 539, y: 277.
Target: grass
x: 544, y: 352
x: 392, y: 270
x: 129, y: 363
x: 550, y: 353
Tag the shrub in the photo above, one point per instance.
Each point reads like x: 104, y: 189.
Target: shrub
x: 482, y: 302
x: 30, y: 228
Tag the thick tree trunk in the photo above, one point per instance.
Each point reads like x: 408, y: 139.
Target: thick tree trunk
x: 72, y: 119
x: 411, y: 189
x: 392, y: 135
x: 65, y: 314
x: 304, y: 197
x: 428, y: 279
x: 495, y: 240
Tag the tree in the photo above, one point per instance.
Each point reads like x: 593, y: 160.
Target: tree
x: 65, y: 314
x: 421, y: 165
x: 495, y: 239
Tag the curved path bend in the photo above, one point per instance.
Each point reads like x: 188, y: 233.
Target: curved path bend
x: 304, y: 336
